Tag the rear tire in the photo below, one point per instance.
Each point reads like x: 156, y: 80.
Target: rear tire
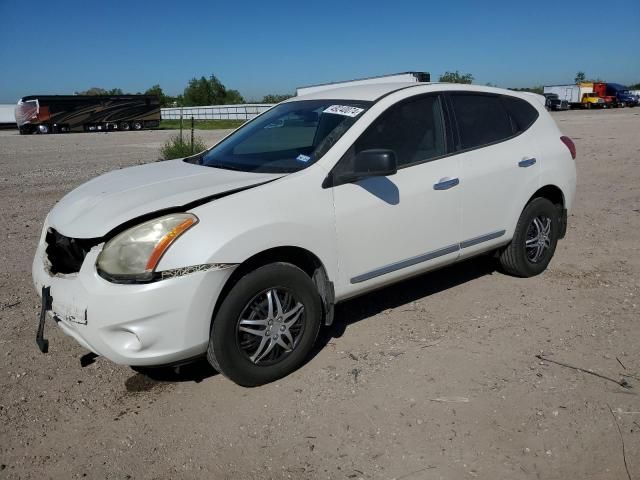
x: 534, y: 241
x: 124, y: 126
x: 273, y: 307
x: 137, y: 125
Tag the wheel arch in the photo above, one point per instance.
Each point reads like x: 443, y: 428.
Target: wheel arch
x: 302, y: 258
x: 552, y: 193
x: 555, y: 195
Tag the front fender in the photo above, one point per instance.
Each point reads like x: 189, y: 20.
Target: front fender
x: 293, y: 211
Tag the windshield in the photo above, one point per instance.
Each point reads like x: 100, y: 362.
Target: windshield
x: 26, y: 111
x: 289, y: 137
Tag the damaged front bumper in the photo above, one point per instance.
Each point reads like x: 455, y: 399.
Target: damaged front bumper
x: 134, y: 324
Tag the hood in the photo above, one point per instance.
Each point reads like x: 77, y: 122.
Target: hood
x: 98, y: 206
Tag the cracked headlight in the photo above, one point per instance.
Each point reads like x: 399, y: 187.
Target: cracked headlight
x: 133, y: 255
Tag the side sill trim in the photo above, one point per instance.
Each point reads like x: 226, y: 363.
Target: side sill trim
x: 406, y: 263
x: 392, y: 267
x: 482, y: 238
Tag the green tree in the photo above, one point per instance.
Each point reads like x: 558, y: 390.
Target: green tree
x: 101, y: 91
x: 580, y: 77
x: 156, y: 89
x: 93, y: 91
x: 196, y: 92
x: 233, y: 97
x: 203, y: 91
x: 456, y: 77
x: 275, y: 98
x: 536, y: 89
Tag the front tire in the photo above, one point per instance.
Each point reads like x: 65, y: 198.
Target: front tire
x: 534, y: 241
x: 266, y: 326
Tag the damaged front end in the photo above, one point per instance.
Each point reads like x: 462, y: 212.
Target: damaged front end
x: 98, y: 266
x: 124, y: 316
x: 65, y: 255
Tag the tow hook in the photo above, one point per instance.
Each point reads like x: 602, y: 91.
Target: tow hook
x: 47, y: 301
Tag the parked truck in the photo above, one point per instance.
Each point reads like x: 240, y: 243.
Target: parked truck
x: 592, y: 100
x: 552, y: 102
x: 573, y: 94
x: 86, y: 113
x: 622, y: 95
x: 600, y: 88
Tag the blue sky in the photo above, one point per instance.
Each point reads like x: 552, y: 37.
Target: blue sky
x: 271, y: 47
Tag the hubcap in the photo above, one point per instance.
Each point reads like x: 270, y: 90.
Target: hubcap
x: 538, y: 238
x: 270, y: 326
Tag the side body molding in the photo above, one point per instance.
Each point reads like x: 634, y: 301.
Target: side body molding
x: 426, y: 256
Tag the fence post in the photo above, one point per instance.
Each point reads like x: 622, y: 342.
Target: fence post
x: 181, y: 126
x: 192, y: 135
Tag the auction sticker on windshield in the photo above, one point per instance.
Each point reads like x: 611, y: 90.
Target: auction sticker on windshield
x: 343, y: 110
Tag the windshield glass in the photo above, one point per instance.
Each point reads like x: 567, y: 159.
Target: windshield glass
x: 289, y: 137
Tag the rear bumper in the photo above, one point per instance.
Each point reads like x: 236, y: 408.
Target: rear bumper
x: 140, y: 324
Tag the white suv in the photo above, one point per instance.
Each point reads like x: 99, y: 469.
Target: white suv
x: 242, y: 251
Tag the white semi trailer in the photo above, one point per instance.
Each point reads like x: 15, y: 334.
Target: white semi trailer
x: 7, y: 116
x: 393, y: 78
x: 571, y: 93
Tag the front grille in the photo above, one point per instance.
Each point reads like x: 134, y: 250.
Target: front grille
x: 66, y: 254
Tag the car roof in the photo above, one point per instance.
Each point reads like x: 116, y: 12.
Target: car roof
x: 367, y: 92
x: 374, y: 91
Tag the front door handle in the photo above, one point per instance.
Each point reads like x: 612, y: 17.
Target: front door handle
x: 526, y: 162
x: 446, y: 183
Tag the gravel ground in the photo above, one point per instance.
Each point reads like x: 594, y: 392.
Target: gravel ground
x: 436, y: 377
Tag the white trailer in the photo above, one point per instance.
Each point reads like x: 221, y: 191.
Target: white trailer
x: 393, y: 78
x: 7, y: 116
x: 216, y: 112
x: 571, y: 93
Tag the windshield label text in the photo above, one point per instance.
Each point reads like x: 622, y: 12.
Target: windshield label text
x: 343, y: 110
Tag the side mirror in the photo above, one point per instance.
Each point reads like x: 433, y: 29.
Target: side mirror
x: 377, y: 162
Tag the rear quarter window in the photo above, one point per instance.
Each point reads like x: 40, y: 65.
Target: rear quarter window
x: 522, y: 113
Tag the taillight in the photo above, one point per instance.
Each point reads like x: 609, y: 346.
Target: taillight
x: 570, y: 145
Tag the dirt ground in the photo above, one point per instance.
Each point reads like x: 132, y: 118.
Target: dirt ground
x: 434, y: 378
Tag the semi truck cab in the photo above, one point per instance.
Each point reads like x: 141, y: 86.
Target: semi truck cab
x: 621, y: 94
x: 590, y: 100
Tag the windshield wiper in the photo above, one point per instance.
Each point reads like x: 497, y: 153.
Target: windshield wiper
x: 229, y: 167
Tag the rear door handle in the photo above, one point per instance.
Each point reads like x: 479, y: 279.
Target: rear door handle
x: 446, y: 183
x: 526, y: 162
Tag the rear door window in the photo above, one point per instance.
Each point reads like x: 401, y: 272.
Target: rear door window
x: 482, y: 119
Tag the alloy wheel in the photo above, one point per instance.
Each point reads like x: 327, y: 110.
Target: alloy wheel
x: 538, y: 239
x: 270, y: 326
